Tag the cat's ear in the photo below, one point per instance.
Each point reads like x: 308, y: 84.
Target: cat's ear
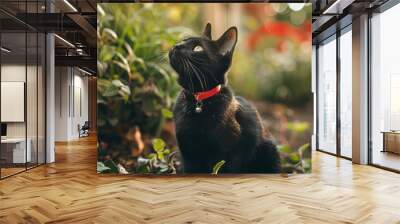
x: 227, y: 42
x: 207, y: 31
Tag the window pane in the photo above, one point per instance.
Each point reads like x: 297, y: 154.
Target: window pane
x: 385, y: 84
x: 41, y: 98
x: 14, y: 153
x: 345, y: 94
x: 31, y: 97
x: 327, y: 97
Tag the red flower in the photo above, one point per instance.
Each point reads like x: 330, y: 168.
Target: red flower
x: 280, y: 30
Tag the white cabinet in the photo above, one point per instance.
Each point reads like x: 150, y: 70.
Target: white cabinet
x: 17, y: 147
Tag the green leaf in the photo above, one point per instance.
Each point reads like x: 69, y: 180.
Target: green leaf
x: 284, y: 149
x: 298, y: 127
x: 294, y: 157
x: 100, y: 10
x: 125, y: 92
x: 166, y: 113
x: 303, y: 149
x: 117, y: 83
x: 113, y: 167
x: 110, y: 91
x: 143, y: 161
x: 164, y: 169
x: 152, y: 156
x: 218, y: 166
x: 307, y: 165
x: 110, y: 34
x: 143, y: 169
x: 101, y: 168
x: 160, y: 155
x: 113, y: 121
x: 158, y: 144
x: 121, y: 169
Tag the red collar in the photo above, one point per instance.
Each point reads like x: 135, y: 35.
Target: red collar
x: 199, y: 96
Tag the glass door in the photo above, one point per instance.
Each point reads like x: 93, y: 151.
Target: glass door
x: 326, y: 96
x: 346, y: 92
x: 14, y: 155
x: 385, y: 89
x: 32, y: 98
x: 22, y: 95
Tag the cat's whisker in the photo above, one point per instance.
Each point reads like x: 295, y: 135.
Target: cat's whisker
x: 198, y: 76
x: 199, y: 71
x: 157, y: 56
x: 193, y: 71
x: 205, y: 68
x: 186, y: 68
x: 198, y: 60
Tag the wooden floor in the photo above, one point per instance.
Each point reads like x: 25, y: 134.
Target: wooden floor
x: 10, y: 171
x: 386, y: 159
x: 70, y: 191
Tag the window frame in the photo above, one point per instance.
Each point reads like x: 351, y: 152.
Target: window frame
x: 333, y: 37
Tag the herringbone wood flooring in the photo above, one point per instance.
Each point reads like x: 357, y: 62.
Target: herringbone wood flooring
x: 70, y: 191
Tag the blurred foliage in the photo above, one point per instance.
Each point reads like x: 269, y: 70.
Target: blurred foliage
x: 295, y: 160
x: 162, y: 160
x: 109, y: 166
x: 135, y: 83
x: 136, y: 86
x: 276, y: 68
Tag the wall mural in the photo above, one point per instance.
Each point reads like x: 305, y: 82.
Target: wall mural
x: 204, y: 88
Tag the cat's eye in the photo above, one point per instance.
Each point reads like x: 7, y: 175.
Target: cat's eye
x: 197, y: 48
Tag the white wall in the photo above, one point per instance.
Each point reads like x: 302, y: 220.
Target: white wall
x: 10, y: 73
x: 80, y: 109
x: 13, y: 73
x: 61, y: 103
x: 71, y: 102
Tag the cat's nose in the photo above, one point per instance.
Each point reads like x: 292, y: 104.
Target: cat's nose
x: 172, y: 51
x: 175, y: 49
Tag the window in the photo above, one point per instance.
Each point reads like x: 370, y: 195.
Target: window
x: 385, y: 89
x: 327, y: 96
x: 346, y: 93
x: 22, y: 95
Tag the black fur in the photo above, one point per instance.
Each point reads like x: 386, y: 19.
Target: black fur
x: 228, y: 128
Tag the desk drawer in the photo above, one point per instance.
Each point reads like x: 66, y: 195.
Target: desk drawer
x: 15, y: 152
x: 6, y: 154
x: 392, y: 142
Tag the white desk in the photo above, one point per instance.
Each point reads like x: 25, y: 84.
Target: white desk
x: 17, y: 146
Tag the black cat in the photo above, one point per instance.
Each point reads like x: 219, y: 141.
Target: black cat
x: 211, y: 123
